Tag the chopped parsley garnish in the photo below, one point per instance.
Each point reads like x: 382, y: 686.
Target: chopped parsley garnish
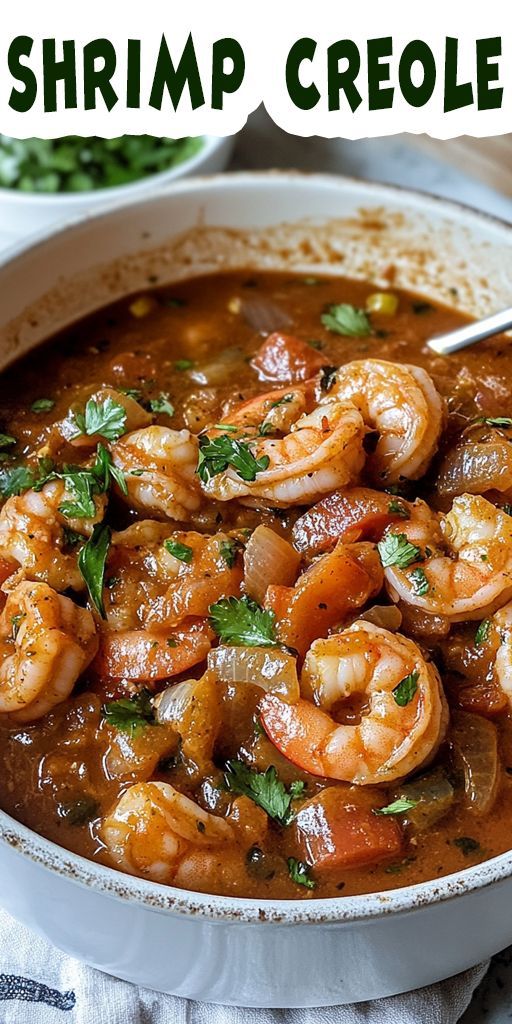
x: 180, y: 551
x: 130, y: 714
x: 42, y: 405
x: 482, y: 632
x: 405, y: 690
x: 107, y: 419
x: 162, y: 404
x: 285, y: 400
x: 217, y: 453
x: 80, y: 485
x: 397, y: 807
x: 396, y: 508
x: 80, y: 811
x: 328, y: 377
x: 420, y: 584
x: 6, y: 440
x: 467, y: 845
x: 347, y: 320
x: 395, y: 549
x: 495, y: 421
x: 15, y: 479
x: 91, y: 563
x: 16, y: 621
x: 228, y: 551
x: 183, y: 364
x: 71, y: 537
x: 134, y: 393
x: 242, y: 622
x: 298, y: 871
x: 264, y: 788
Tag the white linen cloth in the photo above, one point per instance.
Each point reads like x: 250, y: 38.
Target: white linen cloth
x: 41, y: 985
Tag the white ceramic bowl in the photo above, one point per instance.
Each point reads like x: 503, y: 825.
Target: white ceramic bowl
x: 253, y: 952
x: 23, y: 213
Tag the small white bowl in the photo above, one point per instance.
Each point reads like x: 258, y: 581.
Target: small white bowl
x: 23, y: 213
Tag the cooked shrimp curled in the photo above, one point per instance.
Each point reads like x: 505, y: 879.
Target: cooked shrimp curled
x: 398, y: 730
x: 46, y: 642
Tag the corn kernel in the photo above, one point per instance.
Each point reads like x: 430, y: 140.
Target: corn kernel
x: 142, y: 306
x: 382, y: 302
x: 234, y: 305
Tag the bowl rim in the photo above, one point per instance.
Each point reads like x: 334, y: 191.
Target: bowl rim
x: 169, y: 899
x: 210, y: 143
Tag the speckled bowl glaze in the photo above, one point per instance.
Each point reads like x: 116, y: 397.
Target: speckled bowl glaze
x: 228, y: 950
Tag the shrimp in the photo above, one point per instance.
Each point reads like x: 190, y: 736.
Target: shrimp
x: 502, y: 622
x: 153, y: 828
x: 47, y: 641
x: 402, y: 404
x: 32, y: 535
x: 392, y: 737
x: 323, y: 451
x: 159, y: 466
x: 462, y: 566
x: 275, y: 411
x: 149, y: 655
x: 150, y: 586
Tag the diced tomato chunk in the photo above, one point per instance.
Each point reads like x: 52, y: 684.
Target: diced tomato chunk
x: 282, y: 357
x: 334, y: 587
x: 331, y: 834
x: 358, y: 513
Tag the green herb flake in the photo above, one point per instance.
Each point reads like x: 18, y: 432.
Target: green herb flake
x: 395, y: 549
x: 228, y: 551
x: 396, y: 508
x: 405, y: 690
x: 298, y: 871
x: 80, y: 811
x: 285, y: 400
x: 106, y: 419
x: 242, y: 622
x: 15, y: 480
x: 400, y: 806
x: 91, y: 563
x: 216, y: 454
x: 42, y: 405
x: 467, y: 845
x: 6, y: 440
x: 420, y: 584
x: 130, y: 714
x: 482, y: 632
x: 184, y: 364
x: 180, y: 551
x: 495, y: 421
x: 264, y: 788
x: 347, y: 320
x: 162, y: 404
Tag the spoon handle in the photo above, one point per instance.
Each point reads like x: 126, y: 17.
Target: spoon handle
x: 452, y: 341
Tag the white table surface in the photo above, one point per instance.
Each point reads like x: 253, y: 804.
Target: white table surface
x: 262, y: 145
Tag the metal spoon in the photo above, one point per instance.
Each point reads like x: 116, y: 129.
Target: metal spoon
x: 452, y: 341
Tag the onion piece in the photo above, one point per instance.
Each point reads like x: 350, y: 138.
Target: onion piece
x: 269, y: 560
x: 171, y: 704
x: 476, y: 467
x: 273, y: 670
x: 387, y: 616
x: 433, y: 796
x: 475, y: 755
x: 264, y: 316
